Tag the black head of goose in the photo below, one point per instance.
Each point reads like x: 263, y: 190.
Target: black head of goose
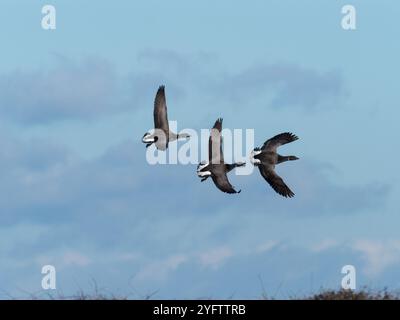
x: 266, y: 157
x: 162, y: 135
x: 215, y: 167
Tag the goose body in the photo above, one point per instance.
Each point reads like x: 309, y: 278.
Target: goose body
x: 266, y: 158
x: 162, y: 135
x: 215, y: 167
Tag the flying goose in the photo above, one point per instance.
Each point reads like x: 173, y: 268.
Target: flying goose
x: 162, y: 135
x: 216, y: 168
x: 266, y: 158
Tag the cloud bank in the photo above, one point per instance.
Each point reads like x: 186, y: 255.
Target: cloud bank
x: 91, y: 88
x: 115, y: 212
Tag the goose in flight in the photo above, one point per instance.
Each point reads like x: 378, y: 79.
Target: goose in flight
x: 216, y: 168
x: 266, y: 158
x: 162, y: 135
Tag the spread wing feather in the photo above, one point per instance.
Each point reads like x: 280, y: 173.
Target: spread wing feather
x: 160, y: 111
x: 215, y: 153
x: 275, y: 181
x: 223, y: 184
x: 280, y: 139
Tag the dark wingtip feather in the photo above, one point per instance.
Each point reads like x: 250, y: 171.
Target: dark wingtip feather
x: 161, y: 89
x: 218, y: 124
x: 293, y: 136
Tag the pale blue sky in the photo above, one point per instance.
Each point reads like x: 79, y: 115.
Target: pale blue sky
x: 76, y: 191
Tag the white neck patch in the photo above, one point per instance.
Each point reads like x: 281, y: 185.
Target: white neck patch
x: 252, y: 155
x: 202, y: 174
x: 148, y: 139
x: 201, y: 166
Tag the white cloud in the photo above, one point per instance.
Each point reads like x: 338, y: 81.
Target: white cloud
x: 266, y: 246
x: 214, y: 258
x: 378, y: 255
x: 64, y: 259
x: 75, y: 258
x: 159, y: 270
x: 324, y: 245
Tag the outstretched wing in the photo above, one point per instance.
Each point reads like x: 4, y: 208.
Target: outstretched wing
x: 160, y: 111
x: 280, y: 139
x: 275, y: 181
x: 215, y: 153
x: 223, y: 184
